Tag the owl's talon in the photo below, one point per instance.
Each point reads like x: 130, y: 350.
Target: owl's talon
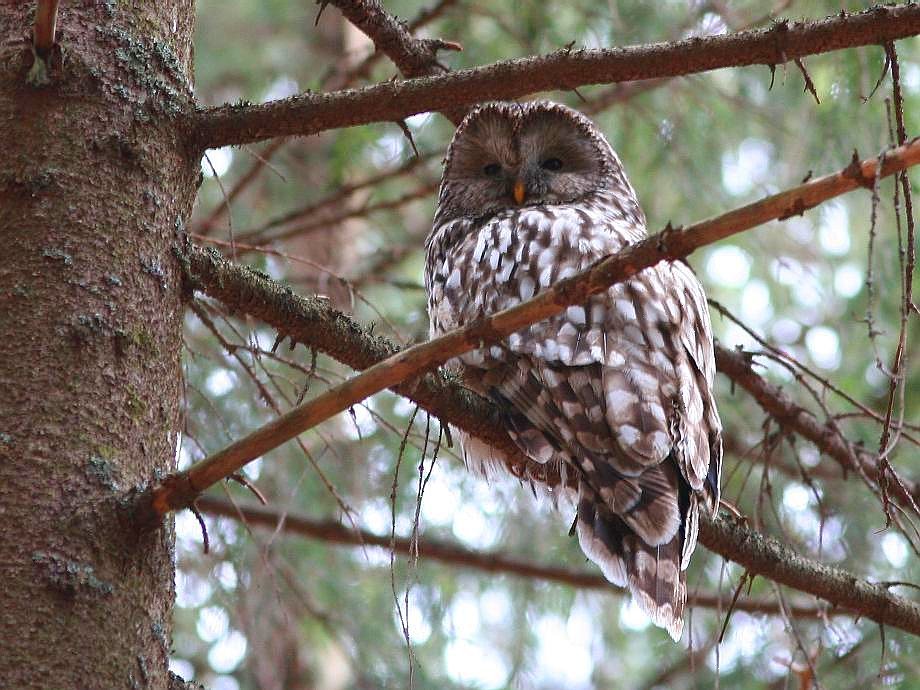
x: 733, y: 509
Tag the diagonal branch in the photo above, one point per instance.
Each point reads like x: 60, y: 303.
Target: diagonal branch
x: 180, y: 490
x: 495, y: 562
x: 314, y: 323
x: 758, y: 554
x: 564, y: 69
x: 43, y: 33
x: 45, y: 27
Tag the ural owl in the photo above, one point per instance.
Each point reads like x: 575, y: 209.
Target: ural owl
x: 618, y: 391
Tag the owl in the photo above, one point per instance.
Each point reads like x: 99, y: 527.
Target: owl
x: 618, y: 391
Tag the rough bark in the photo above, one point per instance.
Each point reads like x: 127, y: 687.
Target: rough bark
x: 94, y: 183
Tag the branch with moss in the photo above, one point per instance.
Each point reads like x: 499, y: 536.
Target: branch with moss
x: 565, y: 69
x: 766, y: 556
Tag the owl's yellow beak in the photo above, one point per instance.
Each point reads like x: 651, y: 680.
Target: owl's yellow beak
x: 519, y: 191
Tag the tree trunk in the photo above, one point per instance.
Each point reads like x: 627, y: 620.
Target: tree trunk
x: 95, y: 186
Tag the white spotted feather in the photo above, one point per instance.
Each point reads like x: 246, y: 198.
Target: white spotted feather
x: 618, y: 390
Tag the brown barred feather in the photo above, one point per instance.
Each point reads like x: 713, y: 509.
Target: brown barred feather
x: 618, y: 391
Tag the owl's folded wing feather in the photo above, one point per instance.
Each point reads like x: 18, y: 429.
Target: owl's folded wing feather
x: 619, y: 388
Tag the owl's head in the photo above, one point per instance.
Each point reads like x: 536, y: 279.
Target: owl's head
x: 507, y: 155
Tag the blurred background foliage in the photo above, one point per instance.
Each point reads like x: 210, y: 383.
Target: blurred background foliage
x: 265, y: 609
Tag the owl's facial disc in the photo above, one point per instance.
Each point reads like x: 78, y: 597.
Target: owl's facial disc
x: 558, y: 163
x: 507, y: 156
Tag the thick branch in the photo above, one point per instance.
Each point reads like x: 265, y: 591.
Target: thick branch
x: 763, y: 555
x: 565, y: 69
x: 495, y: 562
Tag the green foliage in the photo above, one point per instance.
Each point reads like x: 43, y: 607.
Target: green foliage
x: 315, y: 614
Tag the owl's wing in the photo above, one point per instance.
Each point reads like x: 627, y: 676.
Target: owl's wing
x: 646, y: 342
x: 633, y: 366
x: 631, y: 384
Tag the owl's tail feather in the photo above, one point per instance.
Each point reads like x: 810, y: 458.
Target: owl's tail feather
x: 653, y: 574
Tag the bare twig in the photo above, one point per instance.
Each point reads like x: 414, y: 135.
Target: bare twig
x: 339, y: 79
x: 809, y: 84
x: 620, y: 93
x: 495, y: 562
x: 908, y: 261
x: 352, y: 290
x: 415, y: 57
x: 337, y: 198
x: 685, y: 664
x: 851, y: 457
x: 207, y: 225
x: 242, y: 481
x: 565, y: 69
x: 258, y: 237
x: 269, y: 399
x: 798, y: 368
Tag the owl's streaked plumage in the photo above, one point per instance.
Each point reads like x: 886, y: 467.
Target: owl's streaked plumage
x: 618, y: 391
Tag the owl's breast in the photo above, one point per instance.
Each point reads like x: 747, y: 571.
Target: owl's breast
x: 476, y: 269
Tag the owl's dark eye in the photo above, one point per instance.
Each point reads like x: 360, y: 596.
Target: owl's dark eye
x: 492, y: 169
x: 552, y: 164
